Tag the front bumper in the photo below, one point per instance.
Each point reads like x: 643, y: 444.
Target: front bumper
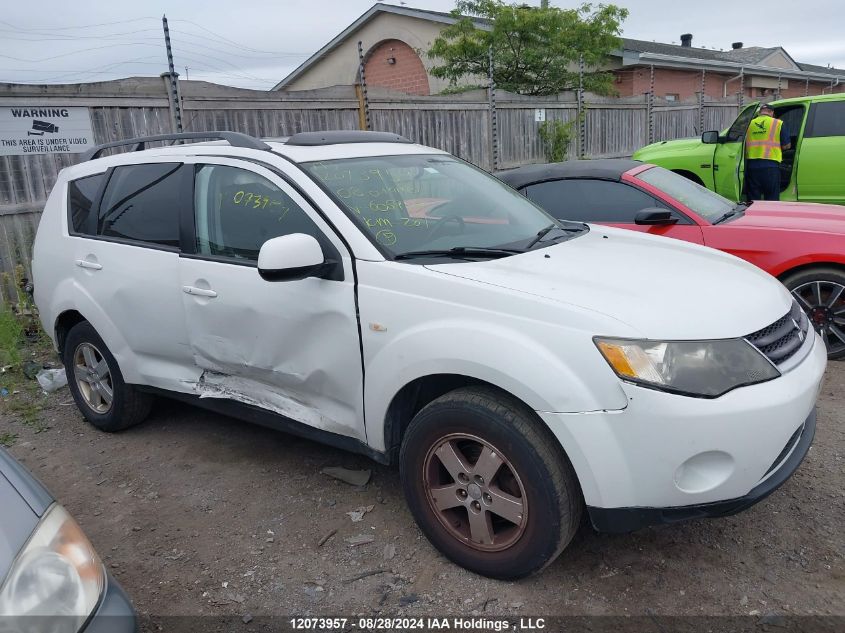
x: 114, y: 614
x: 630, y: 519
x: 666, y: 451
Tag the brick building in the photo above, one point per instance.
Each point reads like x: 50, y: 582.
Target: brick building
x: 395, y: 40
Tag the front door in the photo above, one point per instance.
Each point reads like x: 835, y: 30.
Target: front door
x: 290, y: 347
x: 729, y: 156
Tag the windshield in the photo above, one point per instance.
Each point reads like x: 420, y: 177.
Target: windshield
x: 708, y: 204
x: 434, y: 202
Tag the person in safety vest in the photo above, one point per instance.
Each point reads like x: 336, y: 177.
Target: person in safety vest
x: 765, y: 141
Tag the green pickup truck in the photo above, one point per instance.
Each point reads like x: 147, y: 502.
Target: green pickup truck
x: 813, y: 170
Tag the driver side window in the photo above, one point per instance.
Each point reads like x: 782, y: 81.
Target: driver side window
x: 737, y: 131
x: 237, y: 210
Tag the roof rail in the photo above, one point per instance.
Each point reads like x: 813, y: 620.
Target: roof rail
x: 336, y: 137
x: 235, y: 139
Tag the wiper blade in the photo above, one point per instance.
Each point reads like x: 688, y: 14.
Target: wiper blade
x: 738, y: 208
x: 460, y: 251
x: 543, y: 232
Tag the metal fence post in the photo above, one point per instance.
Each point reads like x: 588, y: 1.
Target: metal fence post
x: 361, y: 91
x: 173, y: 94
x: 741, y: 97
x: 581, y: 114
x: 494, y: 127
x: 650, y: 105
x: 701, y: 102
x: 779, y: 85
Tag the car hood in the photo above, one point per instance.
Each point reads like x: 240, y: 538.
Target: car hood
x: 664, y: 148
x: 794, y: 216
x: 662, y: 288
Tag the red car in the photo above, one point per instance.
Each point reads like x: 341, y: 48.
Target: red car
x: 801, y: 244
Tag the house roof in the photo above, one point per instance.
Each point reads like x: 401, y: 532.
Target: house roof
x: 369, y: 14
x: 646, y: 51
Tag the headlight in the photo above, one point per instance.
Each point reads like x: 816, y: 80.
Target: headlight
x: 704, y: 369
x: 57, y: 573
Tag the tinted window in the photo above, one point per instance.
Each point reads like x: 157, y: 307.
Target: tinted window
x: 238, y: 210
x: 591, y: 200
x: 828, y: 119
x: 141, y: 203
x: 81, y: 197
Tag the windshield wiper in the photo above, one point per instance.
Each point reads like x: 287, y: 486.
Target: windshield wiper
x: 739, y: 208
x: 460, y: 251
x: 545, y: 231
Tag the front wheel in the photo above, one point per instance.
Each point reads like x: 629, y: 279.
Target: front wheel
x: 488, y: 484
x: 821, y: 293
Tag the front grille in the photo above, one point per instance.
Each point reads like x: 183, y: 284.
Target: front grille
x: 782, y: 339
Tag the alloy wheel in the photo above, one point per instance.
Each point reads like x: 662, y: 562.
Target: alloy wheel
x: 824, y: 303
x: 93, y: 378
x: 475, y: 492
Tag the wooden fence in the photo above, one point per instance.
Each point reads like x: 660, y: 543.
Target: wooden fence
x: 460, y: 124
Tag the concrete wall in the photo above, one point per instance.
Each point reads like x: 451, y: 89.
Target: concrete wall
x: 340, y: 66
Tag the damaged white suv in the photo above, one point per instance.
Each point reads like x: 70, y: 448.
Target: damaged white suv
x: 390, y: 299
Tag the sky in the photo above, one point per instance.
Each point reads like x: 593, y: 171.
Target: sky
x: 256, y: 43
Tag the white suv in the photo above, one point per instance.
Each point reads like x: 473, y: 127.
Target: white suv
x: 390, y: 299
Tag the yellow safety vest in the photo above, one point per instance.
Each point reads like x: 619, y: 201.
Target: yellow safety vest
x: 763, y: 139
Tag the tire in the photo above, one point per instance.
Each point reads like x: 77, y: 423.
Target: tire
x: 541, y: 493
x: 127, y: 406
x: 827, y: 316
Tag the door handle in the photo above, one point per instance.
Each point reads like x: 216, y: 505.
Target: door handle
x: 199, y: 292
x: 84, y: 263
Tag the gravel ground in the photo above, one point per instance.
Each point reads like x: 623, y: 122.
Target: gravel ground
x: 195, y: 513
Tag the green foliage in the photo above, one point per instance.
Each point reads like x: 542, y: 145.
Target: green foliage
x: 556, y: 136
x: 8, y: 439
x: 535, y: 49
x: 11, y: 338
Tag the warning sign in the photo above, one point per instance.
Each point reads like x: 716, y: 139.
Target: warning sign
x: 44, y: 130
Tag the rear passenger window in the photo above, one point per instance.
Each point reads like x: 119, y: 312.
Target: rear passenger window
x: 238, y: 210
x: 828, y: 119
x: 82, y: 195
x: 141, y: 203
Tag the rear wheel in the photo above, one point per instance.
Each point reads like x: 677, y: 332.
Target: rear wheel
x: 97, y: 385
x: 488, y: 484
x: 821, y: 293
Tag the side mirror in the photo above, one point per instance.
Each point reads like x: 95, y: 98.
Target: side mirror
x: 655, y: 217
x: 711, y: 137
x: 292, y: 257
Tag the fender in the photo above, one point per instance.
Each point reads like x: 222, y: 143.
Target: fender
x: 523, y: 365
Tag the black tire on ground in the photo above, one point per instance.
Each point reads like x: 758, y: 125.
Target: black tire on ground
x: 128, y: 406
x: 834, y: 324
x: 552, y: 497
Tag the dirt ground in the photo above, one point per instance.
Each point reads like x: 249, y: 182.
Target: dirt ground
x: 195, y: 513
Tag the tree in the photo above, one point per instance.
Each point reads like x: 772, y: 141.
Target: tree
x: 535, y: 49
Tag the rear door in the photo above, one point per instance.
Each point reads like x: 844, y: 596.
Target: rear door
x: 729, y: 156
x: 290, y: 347
x: 821, y: 163
x: 608, y: 202
x: 127, y: 267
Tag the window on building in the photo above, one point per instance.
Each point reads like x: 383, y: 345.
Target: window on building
x: 142, y: 203
x: 673, y: 97
x: 82, y: 194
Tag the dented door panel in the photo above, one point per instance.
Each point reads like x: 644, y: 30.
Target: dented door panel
x: 289, y: 347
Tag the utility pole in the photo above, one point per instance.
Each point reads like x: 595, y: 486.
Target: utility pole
x: 175, y: 100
